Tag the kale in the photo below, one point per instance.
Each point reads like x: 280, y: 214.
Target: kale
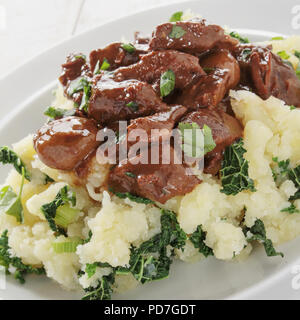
x: 282, y: 170
x: 103, y: 291
x: 241, y: 39
x: 7, y: 261
x: 47, y: 179
x: 291, y: 209
x: 58, y: 113
x: 197, y: 238
x: 8, y: 156
x: 294, y: 175
x: 258, y: 233
x: 132, y: 197
x: 64, y: 196
x: 234, y: 173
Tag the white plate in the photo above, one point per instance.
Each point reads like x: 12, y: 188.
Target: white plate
x: 26, y: 92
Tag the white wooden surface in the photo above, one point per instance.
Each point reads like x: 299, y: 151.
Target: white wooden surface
x: 28, y: 27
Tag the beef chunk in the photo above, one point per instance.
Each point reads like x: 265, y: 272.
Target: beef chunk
x: 63, y: 144
x: 223, y: 74
x: 151, y: 66
x: 197, y: 37
x: 112, y: 101
x: 267, y: 74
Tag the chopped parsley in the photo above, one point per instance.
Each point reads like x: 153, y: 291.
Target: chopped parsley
x: 192, y: 146
x: 130, y: 174
x: 15, y: 263
x: 258, y: 233
x: 8, y: 156
x: 167, y: 83
x: 176, y: 16
x: 63, y: 199
x: 130, y: 48
x: 241, y: 39
x: 197, y: 238
x: 133, y: 105
x: 234, y: 173
x: 177, y: 32
x: 58, y: 113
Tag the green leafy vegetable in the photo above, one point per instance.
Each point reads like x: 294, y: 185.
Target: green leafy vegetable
x: 87, y: 91
x: 246, y: 53
x: 258, y: 233
x: 133, y: 105
x: 105, y: 66
x: 241, y: 39
x: 234, y: 173
x: 64, y: 196
x: 282, y: 169
x: 103, y: 291
x: 47, y: 179
x: 294, y: 175
x: 77, y: 85
x: 196, y: 145
x: 132, y: 197
x: 7, y: 261
x: 128, y: 47
x: 297, y: 54
x: 57, y: 113
x: 176, y: 16
x: 292, y: 108
x: 197, y: 238
x: 167, y: 83
x: 291, y: 209
x: 10, y: 202
x: 8, y: 156
x: 176, y: 32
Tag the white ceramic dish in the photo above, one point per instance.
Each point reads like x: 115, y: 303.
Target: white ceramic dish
x: 26, y: 92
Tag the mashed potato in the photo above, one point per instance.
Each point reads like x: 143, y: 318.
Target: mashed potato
x: 271, y: 129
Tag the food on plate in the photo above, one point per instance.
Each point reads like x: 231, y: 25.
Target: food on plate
x: 180, y: 145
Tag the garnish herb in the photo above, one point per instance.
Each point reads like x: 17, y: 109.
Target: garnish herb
x: 81, y: 56
x: 77, y: 85
x: 167, y: 83
x: 234, y: 173
x: 130, y: 48
x: 10, y: 202
x: 9, y: 262
x: 130, y: 174
x: 105, y: 66
x: 246, y: 53
x: 8, y: 156
x: 258, y: 233
x: 87, y: 91
x: 133, y: 105
x: 176, y: 16
x: 291, y: 209
x: 57, y: 113
x: 292, y: 108
x: 197, y: 238
x: 241, y: 39
x: 177, y: 32
x: 58, y: 213
x: 191, y: 145
x: 297, y: 54
x: 209, y: 70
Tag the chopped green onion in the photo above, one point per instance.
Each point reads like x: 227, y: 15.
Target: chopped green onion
x: 133, y: 105
x: 283, y: 55
x: 65, y: 215
x: 105, y: 66
x: 81, y: 56
x: 277, y: 38
x: 167, y: 83
x: 177, y: 32
x: 128, y: 47
x: 66, y: 247
x: 176, y: 16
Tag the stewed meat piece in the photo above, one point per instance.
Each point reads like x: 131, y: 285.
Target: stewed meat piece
x: 194, y: 37
x: 267, y: 74
x: 63, y: 144
x: 151, y: 66
x: 223, y: 74
x: 115, y: 55
x: 112, y: 101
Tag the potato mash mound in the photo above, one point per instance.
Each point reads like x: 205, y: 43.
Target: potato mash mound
x: 271, y: 130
